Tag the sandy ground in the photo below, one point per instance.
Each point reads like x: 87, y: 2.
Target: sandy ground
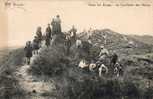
x: 33, y: 85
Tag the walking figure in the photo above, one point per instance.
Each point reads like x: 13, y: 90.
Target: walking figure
x: 47, y: 41
x: 39, y: 34
x: 35, y: 45
x: 28, y: 52
x: 49, y: 31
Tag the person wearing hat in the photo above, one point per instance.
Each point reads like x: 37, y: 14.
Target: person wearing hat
x: 39, y: 34
x: 53, y: 24
x: 103, y: 53
x: 28, y: 52
x: 35, y: 45
x: 57, y: 21
x: 48, y: 31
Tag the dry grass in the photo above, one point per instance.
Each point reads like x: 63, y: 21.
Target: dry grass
x: 10, y: 61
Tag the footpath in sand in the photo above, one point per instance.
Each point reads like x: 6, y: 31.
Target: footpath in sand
x: 32, y: 85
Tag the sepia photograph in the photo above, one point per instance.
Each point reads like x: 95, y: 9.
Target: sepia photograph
x: 76, y: 49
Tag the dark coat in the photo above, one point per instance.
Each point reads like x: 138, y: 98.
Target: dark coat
x: 28, y: 51
x: 56, y: 27
x: 48, y: 32
x: 35, y: 44
x: 47, y: 41
x: 39, y: 35
x: 114, y: 58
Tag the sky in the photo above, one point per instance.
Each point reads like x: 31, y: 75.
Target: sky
x: 23, y: 21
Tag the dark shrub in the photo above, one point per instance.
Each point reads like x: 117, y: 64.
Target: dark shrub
x: 130, y: 90
x: 148, y: 94
x: 50, y: 62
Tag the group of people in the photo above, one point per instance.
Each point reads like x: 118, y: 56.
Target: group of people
x: 32, y: 48
x: 54, y: 29
x: 102, y: 65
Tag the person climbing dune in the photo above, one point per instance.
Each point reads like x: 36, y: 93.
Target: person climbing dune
x: 35, y: 45
x: 47, y: 41
x: 28, y: 52
x: 48, y: 31
x: 39, y: 34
